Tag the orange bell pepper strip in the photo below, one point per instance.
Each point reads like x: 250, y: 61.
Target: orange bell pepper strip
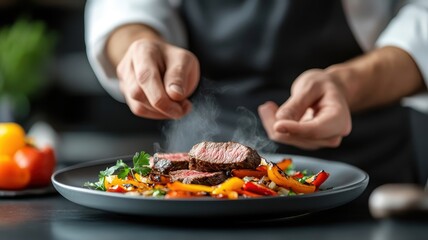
x: 318, y: 178
x: 179, y: 186
x: 241, y: 173
x: 284, y: 163
x: 280, y: 178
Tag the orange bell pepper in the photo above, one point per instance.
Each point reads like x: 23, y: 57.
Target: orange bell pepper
x: 280, y: 178
x: 284, y: 163
x: 241, y: 173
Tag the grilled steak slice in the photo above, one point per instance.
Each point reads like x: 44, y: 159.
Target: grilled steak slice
x: 222, y: 156
x: 166, y: 162
x: 196, y: 177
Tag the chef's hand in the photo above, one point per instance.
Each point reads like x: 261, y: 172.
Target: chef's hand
x: 155, y: 77
x: 315, y: 116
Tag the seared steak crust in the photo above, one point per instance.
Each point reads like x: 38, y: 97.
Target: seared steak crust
x: 166, y: 162
x: 196, y: 177
x: 222, y: 156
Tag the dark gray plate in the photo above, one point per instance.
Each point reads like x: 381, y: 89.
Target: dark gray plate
x: 344, y: 184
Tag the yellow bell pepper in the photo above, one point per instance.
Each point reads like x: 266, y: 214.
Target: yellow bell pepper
x: 179, y: 186
x: 231, y: 184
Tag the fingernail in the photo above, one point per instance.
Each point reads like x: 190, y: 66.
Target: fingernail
x: 176, y: 88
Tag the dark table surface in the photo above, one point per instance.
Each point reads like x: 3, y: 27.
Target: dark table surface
x: 53, y: 217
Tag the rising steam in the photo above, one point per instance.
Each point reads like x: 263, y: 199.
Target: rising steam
x: 201, y: 125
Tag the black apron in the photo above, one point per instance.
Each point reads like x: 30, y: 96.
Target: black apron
x: 251, y: 52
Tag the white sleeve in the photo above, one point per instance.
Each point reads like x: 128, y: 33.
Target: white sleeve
x: 409, y: 31
x: 102, y: 17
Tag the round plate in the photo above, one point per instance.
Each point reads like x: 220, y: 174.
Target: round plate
x: 344, y: 184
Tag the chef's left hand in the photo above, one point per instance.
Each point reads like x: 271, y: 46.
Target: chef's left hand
x: 315, y: 116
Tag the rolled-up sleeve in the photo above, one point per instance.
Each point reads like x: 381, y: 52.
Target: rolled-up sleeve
x: 409, y: 31
x: 102, y: 17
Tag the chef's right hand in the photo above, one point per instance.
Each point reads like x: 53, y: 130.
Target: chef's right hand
x: 157, y: 78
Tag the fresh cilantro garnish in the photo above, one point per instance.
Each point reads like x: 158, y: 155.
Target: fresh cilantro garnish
x: 141, y: 166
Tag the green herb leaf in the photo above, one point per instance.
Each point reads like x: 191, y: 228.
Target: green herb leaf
x: 141, y: 162
x: 158, y: 193
x: 123, y: 169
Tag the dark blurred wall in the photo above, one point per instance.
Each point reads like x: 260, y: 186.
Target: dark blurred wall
x: 88, y: 122
x: 74, y: 100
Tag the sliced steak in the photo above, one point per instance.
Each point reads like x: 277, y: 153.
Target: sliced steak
x: 222, y: 156
x: 196, y: 177
x: 166, y: 162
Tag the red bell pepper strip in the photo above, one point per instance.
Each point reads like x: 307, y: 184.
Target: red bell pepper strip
x: 297, y: 175
x: 318, y: 178
x: 258, y: 189
x: 248, y: 194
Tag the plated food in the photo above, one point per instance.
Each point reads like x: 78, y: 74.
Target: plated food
x: 210, y: 169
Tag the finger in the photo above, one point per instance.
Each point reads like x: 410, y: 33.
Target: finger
x: 327, y: 123
x: 267, y: 116
x: 182, y: 74
x: 296, y: 106
x: 141, y: 110
x: 147, y: 74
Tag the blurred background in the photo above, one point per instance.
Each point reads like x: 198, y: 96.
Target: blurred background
x: 48, y: 86
x: 64, y: 102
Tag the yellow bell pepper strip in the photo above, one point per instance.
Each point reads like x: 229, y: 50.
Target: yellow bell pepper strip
x: 231, y: 184
x: 179, y: 186
x: 258, y: 189
x: 110, y: 183
x: 318, y: 178
x: 280, y: 178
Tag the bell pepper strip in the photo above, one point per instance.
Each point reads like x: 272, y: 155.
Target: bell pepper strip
x: 117, y: 189
x: 179, y: 186
x: 298, y: 175
x: 241, y: 173
x: 284, y: 163
x: 248, y: 194
x: 262, y: 168
x: 259, y: 189
x: 280, y: 178
x: 318, y: 178
x: 111, y: 181
x: 231, y: 184
x: 174, y: 194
